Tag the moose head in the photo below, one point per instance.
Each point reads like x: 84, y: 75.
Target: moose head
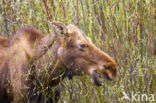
x: 78, y: 54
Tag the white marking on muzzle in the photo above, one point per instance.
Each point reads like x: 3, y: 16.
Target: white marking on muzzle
x: 60, y: 51
x: 69, y: 31
x: 100, y: 66
x: 91, y: 71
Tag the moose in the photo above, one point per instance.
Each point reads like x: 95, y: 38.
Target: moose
x: 30, y: 58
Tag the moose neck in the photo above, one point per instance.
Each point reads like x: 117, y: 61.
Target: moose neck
x: 50, y: 60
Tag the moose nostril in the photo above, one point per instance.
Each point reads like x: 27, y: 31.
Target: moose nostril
x: 107, y: 76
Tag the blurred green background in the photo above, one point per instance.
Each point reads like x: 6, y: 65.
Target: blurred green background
x: 125, y: 29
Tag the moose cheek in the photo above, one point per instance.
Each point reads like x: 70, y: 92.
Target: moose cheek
x: 97, y: 78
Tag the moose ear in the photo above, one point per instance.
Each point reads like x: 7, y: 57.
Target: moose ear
x: 59, y: 28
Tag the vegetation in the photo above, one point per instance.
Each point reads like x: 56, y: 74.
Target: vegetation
x: 125, y: 29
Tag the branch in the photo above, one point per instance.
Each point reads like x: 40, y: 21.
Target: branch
x: 47, y: 10
x: 77, y: 9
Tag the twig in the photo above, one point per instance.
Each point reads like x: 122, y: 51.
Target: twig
x: 47, y: 10
x: 98, y: 19
x: 77, y: 10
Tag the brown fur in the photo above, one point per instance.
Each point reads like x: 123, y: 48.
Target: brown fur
x: 69, y: 53
x: 15, y: 55
x: 3, y: 42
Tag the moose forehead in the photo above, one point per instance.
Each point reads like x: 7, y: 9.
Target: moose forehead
x: 78, y: 34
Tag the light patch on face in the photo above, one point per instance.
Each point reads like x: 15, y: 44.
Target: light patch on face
x: 74, y: 28
x: 69, y: 31
x: 100, y: 66
x: 91, y: 70
x: 60, y: 51
x: 78, y: 41
x: 89, y: 39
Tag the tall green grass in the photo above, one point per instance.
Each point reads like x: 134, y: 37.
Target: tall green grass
x: 125, y: 29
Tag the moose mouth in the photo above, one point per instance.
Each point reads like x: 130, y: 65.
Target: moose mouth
x: 97, y: 78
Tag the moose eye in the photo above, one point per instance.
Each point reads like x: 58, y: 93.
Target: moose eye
x: 83, y: 45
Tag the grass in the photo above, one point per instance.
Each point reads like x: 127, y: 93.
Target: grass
x: 125, y: 29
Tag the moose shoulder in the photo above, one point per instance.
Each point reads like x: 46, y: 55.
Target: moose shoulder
x: 66, y: 53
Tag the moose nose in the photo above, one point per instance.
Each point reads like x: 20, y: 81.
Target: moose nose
x: 107, y: 76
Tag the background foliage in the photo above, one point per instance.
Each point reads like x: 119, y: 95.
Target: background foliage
x: 124, y: 29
